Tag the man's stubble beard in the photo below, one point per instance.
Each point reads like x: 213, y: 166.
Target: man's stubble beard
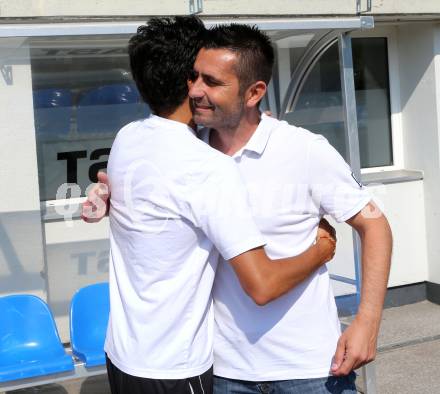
x: 222, y: 121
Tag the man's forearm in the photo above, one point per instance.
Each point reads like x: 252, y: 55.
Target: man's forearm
x: 264, y: 279
x: 285, y: 274
x: 376, y: 242
x: 357, y: 344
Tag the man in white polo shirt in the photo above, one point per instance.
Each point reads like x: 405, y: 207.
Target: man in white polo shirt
x: 292, y: 345
x: 175, y: 203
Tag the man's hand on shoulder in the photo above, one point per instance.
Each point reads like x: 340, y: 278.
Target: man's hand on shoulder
x: 97, y: 204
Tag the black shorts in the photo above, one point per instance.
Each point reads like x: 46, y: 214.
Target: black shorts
x: 122, y: 383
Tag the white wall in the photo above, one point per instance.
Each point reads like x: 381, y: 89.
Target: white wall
x: 405, y: 209
x: 420, y: 103
x: 20, y: 8
x: 403, y: 204
x: 405, y: 6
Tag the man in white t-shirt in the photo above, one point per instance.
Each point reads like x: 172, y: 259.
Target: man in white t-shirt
x: 175, y: 203
x: 294, y: 177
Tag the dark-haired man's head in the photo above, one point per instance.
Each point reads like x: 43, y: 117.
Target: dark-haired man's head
x: 231, y: 74
x: 252, y: 47
x: 162, y: 56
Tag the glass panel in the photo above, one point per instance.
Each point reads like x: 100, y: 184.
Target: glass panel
x: 290, y: 46
x: 319, y: 104
x: 21, y: 240
x: 83, y: 94
x: 296, y: 43
x: 373, y: 101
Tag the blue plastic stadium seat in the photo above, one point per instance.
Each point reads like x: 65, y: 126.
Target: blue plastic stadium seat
x: 89, y: 314
x: 52, y: 110
x: 108, y: 108
x: 29, y: 341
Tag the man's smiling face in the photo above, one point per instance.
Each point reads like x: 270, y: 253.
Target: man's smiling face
x: 214, y: 90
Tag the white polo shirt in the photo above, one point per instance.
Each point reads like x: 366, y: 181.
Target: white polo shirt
x: 293, y: 177
x: 171, y: 208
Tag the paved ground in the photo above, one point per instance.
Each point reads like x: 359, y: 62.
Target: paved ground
x: 415, y: 322
x: 408, y: 361
x: 413, y: 369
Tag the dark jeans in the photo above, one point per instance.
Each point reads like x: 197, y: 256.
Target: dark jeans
x: 327, y: 385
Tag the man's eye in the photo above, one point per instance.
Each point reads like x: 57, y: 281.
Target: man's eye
x: 192, y: 76
x: 211, y: 82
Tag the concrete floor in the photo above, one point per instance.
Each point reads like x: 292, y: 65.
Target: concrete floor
x: 413, y: 369
x: 408, y: 361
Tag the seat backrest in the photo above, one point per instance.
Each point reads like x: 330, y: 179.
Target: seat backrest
x: 111, y: 94
x: 26, y: 327
x: 89, y: 312
x: 53, y: 110
x: 108, y: 108
x: 52, y: 98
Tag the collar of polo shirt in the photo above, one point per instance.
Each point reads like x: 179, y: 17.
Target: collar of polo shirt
x: 260, y: 138
x: 257, y: 143
x: 175, y: 124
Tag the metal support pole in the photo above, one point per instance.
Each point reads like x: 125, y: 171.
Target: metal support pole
x: 195, y: 6
x: 351, y: 128
x: 369, y: 378
x: 353, y: 158
x: 359, y: 6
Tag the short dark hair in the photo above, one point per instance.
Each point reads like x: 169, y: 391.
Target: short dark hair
x: 254, y: 49
x: 162, y: 56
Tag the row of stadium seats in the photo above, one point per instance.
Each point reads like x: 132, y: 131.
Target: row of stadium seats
x: 30, y: 346
x: 103, y: 109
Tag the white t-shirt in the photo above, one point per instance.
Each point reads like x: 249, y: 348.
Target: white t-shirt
x: 170, y: 209
x: 293, y: 177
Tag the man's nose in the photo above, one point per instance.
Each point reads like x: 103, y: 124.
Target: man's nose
x: 195, y: 89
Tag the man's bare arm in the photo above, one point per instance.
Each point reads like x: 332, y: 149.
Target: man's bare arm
x: 264, y: 279
x: 357, y: 345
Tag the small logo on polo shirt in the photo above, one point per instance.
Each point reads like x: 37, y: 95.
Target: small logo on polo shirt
x: 359, y: 183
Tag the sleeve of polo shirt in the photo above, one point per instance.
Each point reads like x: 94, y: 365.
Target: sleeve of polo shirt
x: 333, y: 185
x: 219, y: 206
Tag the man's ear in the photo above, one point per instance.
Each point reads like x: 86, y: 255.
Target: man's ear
x: 255, y: 93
